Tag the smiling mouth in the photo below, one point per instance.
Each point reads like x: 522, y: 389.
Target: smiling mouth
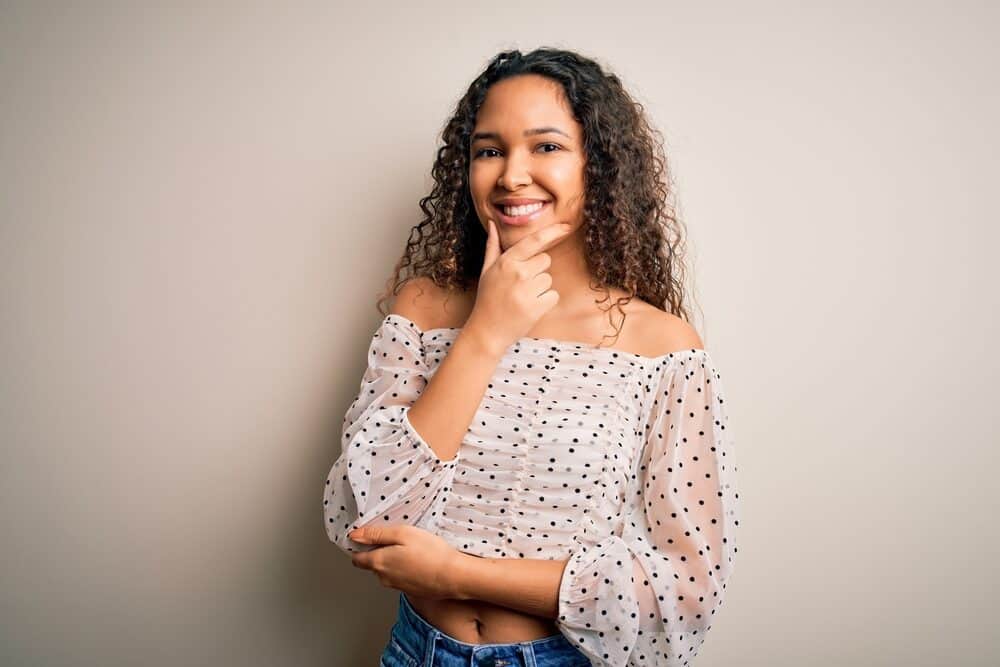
x: 521, y: 209
x: 514, y: 215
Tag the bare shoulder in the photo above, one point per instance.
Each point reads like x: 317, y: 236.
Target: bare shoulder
x: 430, y: 306
x: 664, y: 332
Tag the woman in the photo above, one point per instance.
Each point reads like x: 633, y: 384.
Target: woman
x: 539, y: 498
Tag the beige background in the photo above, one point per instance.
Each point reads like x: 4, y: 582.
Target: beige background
x: 199, y: 204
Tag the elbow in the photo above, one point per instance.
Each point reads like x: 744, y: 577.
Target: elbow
x: 385, y: 475
x: 697, y: 603
x: 341, y: 513
x: 340, y: 519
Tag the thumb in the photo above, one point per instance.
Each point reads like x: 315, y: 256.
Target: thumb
x: 377, y: 534
x: 364, y: 535
x: 492, y: 245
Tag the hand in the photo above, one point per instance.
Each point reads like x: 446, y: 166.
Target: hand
x: 513, y: 291
x: 409, y: 559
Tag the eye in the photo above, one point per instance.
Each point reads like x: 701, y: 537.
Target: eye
x: 483, y: 150
x: 480, y: 152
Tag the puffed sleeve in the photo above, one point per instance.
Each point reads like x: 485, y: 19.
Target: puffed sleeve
x: 648, y: 595
x: 386, y: 472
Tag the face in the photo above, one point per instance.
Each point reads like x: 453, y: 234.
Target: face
x: 510, y: 159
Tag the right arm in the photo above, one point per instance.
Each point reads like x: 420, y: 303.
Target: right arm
x: 402, y: 434
x: 451, y: 398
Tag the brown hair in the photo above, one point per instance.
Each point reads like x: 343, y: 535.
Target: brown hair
x: 633, y: 238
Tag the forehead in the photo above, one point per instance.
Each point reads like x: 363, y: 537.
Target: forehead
x: 523, y: 101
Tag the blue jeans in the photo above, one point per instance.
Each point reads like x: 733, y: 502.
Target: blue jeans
x: 414, y: 642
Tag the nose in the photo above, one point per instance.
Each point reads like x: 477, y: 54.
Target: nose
x: 514, y: 173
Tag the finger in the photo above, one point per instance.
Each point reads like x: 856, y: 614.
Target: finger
x: 492, y: 245
x: 540, y: 262
x: 384, y: 534
x: 540, y: 283
x: 374, y: 535
x: 541, y: 240
x: 548, y: 299
x: 361, y: 560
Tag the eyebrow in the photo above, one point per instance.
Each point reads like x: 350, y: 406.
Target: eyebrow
x: 538, y: 130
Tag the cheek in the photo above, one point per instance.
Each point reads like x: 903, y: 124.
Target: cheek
x: 480, y: 185
x: 568, y: 174
x: 565, y: 180
x: 476, y: 192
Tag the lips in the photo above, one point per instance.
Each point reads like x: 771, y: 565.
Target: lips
x: 520, y: 219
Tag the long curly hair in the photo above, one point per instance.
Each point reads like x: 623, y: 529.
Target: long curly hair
x: 634, y: 240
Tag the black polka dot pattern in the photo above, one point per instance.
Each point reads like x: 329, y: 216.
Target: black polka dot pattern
x: 619, y: 462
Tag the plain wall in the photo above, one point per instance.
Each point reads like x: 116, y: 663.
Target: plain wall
x: 199, y: 203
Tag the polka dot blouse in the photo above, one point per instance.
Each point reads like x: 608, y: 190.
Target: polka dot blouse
x: 619, y: 462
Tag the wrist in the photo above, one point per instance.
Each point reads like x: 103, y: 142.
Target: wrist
x: 481, y: 341
x: 462, y: 572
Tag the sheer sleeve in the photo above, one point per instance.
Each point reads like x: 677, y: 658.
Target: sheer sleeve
x: 648, y: 595
x: 386, y: 472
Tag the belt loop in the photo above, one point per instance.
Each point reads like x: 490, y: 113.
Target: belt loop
x: 529, y: 654
x: 429, y: 650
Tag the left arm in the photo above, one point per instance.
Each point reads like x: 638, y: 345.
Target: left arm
x: 415, y: 561
x: 649, y: 591
x: 529, y: 585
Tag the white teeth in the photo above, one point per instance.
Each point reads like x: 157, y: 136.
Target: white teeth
x: 515, y: 211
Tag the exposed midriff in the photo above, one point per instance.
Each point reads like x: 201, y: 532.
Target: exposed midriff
x: 479, y: 622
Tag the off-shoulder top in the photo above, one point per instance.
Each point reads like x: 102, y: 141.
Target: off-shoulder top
x: 621, y: 463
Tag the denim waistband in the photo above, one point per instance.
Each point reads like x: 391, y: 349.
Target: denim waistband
x: 431, y: 647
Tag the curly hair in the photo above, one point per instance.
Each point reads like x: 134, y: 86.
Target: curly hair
x: 634, y: 240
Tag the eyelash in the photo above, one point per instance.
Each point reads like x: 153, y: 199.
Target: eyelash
x: 481, y: 150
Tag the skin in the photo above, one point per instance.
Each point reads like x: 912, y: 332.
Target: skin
x: 420, y: 563
x: 546, y: 166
